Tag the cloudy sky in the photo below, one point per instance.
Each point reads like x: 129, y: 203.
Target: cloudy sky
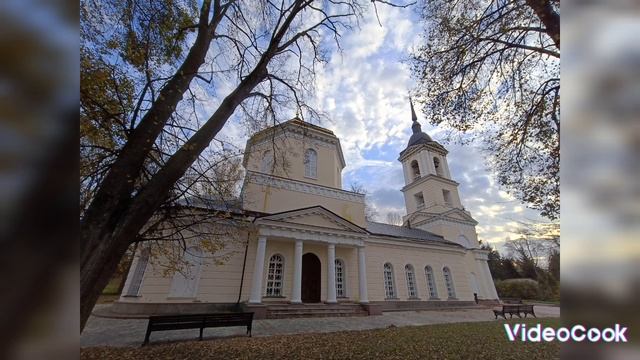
x: 364, y: 90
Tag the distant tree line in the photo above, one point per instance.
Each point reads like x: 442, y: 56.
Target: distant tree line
x: 531, y: 266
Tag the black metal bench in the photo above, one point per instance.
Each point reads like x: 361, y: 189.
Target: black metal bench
x: 507, y: 309
x: 527, y: 309
x: 197, y: 321
x: 514, y: 309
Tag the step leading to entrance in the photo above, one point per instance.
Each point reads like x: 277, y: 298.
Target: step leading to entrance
x: 282, y: 311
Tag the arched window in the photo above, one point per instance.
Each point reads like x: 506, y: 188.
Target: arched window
x: 389, y: 287
x: 340, y: 287
x: 138, y: 273
x: 310, y: 163
x: 436, y: 165
x: 448, y: 280
x: 275, y: 275
x: 267, y: 162
x: 185, y: 281
x: 411, y: 281
x: 431, y: 282
x: 415, y: 170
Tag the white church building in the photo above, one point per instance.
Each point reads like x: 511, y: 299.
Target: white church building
x: 308, y: 249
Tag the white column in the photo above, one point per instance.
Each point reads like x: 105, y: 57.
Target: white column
x: 362, y: 276
x: 296, y: 292
x: 331, y: 274
x: 258, y: 272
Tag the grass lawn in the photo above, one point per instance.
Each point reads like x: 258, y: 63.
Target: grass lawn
x: 485, y: 340
x: 107, y: 299
x: 112, y: 286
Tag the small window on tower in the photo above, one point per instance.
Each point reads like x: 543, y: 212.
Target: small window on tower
x: 436, y: 164
x: 310, y: 163
x: 415, y: 170
x: 446, y: 194
x: 419, y: 200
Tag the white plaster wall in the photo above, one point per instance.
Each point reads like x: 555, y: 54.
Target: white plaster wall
x: 432, y: 192
x: 220, y: 283
x: 399, y: 256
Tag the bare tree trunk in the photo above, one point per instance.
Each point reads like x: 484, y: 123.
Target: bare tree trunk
x: 115, y: 217
x: 102, y: 245
x: 113, y: 239
x: 96, y: 273
x: 549, y: 17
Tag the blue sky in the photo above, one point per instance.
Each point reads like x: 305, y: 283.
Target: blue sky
x: 364, y: 91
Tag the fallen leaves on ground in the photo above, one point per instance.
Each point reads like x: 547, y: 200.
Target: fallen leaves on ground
x: 485, y: 340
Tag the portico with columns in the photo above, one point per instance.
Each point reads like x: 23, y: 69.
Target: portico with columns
x: 293, y: 230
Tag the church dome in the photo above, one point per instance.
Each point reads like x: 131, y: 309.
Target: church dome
x: 418, y: 136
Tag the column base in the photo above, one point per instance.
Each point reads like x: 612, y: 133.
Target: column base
x: 295, y: 302
x: 330, y: 302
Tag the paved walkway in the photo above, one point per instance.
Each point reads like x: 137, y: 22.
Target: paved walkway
x: 130, y: 332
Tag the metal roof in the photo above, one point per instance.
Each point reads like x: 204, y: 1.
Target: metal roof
x: 405, y: 232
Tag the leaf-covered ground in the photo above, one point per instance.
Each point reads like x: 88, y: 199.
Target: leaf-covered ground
x: 486, y: 340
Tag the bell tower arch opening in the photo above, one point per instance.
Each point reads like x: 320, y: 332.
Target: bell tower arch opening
x: 415, y: 170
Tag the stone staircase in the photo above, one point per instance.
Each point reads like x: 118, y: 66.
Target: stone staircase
x: 282, y: 311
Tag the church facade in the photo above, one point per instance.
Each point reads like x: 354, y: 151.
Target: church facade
x: 307, y: 241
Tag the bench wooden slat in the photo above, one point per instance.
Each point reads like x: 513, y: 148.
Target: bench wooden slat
x: 197, y: 321
x: 514, y: 309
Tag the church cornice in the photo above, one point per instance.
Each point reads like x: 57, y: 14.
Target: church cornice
x: 433, y: 146
x: 301, y: 186
x: 390, y: 241
x: 287, y: 231
x: 481, y: 254
x: 427, y: 177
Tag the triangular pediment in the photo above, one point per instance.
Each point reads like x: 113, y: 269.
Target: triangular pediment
x: 316, y: 216
x: 454, y: 214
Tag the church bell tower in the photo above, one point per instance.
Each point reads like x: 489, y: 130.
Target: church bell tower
x: 431, y: 196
